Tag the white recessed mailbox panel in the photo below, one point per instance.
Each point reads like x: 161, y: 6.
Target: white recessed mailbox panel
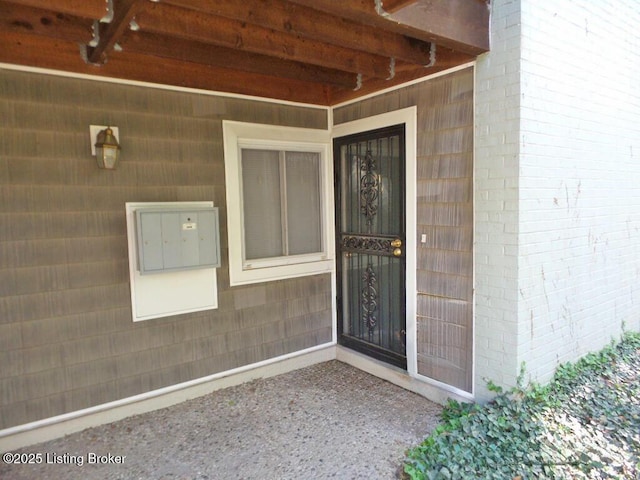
x: 173, y: 239
x: 174, y: 250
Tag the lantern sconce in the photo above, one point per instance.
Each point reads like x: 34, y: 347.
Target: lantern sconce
x: 105, y: 146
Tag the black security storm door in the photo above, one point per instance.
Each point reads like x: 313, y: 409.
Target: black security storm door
x: 370, y: 231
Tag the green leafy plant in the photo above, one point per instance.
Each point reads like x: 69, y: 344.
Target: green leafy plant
x: 585, y: 423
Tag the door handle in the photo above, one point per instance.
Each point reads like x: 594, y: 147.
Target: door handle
x: 396, y: 243
x: 397, y: 252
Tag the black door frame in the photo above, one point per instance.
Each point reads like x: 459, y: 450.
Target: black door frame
x: 379, y: 353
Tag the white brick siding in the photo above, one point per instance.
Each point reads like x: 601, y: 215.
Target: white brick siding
x: 580, y: 183
x: 557, y: 171
x: 496, y: 169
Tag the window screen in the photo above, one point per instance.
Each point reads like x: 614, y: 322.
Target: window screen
x: 281, y: 203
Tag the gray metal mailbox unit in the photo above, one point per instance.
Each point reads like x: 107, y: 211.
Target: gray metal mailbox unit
x: 173, y: 239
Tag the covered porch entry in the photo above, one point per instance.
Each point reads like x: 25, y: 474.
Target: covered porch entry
x: 433, y: 221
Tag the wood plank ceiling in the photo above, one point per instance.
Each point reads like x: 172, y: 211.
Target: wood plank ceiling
x: 314, y: 51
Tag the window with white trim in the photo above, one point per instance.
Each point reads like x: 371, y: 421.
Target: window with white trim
x: 279, y: 219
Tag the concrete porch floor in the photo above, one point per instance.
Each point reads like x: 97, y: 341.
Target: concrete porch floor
x: 329, y: 420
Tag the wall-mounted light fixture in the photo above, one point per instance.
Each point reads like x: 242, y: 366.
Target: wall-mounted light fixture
x: 104, y: 145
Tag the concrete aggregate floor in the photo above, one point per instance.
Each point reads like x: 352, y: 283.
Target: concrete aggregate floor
x: 328, y: 421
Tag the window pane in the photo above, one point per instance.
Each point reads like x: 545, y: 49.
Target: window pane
x: 261, y: 198
x: 303, y: 202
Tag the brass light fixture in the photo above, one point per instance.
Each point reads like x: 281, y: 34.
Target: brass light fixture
x: 107, y: 149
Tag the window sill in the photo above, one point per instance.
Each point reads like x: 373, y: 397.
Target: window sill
x: 257, y: 275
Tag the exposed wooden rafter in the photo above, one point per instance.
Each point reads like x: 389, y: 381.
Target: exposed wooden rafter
x: 462, y: 25
x: 95, y: 9
x: 170, y: 20
x: 123, y: 13
x: 21, y: 19
x: 304, y: 22
x: 391, y: 6
x: 312, y: 51
x: 206, y: 54
x: 58, y: 54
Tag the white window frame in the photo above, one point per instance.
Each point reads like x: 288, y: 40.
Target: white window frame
x: 238, y: 135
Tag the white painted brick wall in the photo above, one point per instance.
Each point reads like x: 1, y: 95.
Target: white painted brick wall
x: 496, y: 198
x: 557, y: 184
x: 579, y: 224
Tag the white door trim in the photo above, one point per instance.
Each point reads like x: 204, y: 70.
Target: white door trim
x: 409, y: 117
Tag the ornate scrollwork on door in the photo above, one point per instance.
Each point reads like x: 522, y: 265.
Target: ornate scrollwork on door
x: 369, y: 297
x: 370, y: 244
x: 366, y: 244
x: 369, y: 188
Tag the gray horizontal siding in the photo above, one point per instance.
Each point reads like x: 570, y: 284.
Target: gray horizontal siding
x: 67, y: 340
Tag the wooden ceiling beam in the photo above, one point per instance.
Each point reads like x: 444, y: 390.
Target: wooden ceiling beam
x: 36, y: 50
x: 175, y: 21
x: 447, y: 59
x: 24, y: 19
x: 391, y: 6
x: 156, y: 45
x: 287, y: 17
x: 110, y: 33
x: 95, y: 9
x: 312, y: 51
x: 192, y: 75
x: 461, y: 25
x: 464, y: 22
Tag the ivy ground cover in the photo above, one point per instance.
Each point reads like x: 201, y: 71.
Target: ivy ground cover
x: 584, y: 424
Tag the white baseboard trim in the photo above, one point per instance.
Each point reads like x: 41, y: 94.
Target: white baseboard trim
x: 397, y: 376
x: 61, y: 425
x: 55, y: 427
